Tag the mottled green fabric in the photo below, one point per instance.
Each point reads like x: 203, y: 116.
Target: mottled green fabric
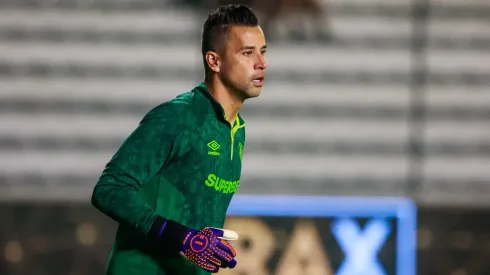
x: 182, y: 162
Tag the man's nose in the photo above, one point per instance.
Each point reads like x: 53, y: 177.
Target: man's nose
x: 261, y: 63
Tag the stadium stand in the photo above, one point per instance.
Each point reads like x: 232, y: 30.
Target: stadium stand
x: 77, y: 76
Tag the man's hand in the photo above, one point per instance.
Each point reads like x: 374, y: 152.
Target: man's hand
x: 209, y: 248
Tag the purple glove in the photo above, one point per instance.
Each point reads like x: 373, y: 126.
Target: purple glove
x: 209, y: 248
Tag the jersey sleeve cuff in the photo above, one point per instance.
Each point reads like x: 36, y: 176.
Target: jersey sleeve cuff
x: 167, y: 235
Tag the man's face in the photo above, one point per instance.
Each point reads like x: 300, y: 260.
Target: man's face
x: 243, y: 61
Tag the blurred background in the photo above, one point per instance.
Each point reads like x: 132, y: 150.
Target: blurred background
x: 363, y: 98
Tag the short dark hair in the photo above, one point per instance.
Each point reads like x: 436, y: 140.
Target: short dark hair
x: 217, y: 26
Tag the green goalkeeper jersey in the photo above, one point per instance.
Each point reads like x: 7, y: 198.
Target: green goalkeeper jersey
x: 182, y: 162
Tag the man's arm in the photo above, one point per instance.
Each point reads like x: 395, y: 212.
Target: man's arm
x: 149, y: 148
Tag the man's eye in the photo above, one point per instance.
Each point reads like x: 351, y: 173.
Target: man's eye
x: 247, y: 53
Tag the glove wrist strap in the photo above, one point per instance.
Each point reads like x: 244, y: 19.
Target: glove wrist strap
x: 167, y: 235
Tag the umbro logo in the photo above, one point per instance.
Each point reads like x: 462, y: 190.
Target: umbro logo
x: 214, y: 146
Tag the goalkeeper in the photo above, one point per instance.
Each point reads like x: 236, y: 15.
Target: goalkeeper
x: 170, y: 183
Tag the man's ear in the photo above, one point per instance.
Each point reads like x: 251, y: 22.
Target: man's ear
x: 213, y: 61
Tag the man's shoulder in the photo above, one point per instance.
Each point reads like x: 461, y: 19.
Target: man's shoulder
x: 177, y: 109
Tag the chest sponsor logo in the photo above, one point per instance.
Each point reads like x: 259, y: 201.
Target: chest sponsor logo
x: 221, y: 185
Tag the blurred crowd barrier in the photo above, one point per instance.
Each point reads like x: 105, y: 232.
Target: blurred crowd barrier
x: 72, y: 238
x: 363, y: 98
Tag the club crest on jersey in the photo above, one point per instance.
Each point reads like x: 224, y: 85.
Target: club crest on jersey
x: 240, y: 150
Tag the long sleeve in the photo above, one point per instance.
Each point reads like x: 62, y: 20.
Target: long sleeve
x: 147, y: 150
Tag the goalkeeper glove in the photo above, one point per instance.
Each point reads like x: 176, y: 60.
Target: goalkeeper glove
x: 208, y: 248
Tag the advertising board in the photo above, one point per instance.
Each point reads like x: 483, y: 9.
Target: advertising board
x: 291, y: 235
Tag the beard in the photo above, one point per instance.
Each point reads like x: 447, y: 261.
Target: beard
x: 242, y: 88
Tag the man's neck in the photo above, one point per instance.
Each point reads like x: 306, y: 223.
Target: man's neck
x: 228, y: 100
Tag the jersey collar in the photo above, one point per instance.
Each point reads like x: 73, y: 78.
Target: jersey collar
x: 218, y: 109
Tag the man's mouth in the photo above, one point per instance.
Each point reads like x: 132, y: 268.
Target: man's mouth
x: 258, y: 81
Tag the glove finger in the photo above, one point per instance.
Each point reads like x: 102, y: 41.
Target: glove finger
x: 215, y: 269
x: 230, y: 264
x: 211, y: 267
x: 226, y: 258
x: 224, y: 234
x: 210, y: 264
x: 215, y: 260
x: 227, y: 261
x: 226, y: 246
